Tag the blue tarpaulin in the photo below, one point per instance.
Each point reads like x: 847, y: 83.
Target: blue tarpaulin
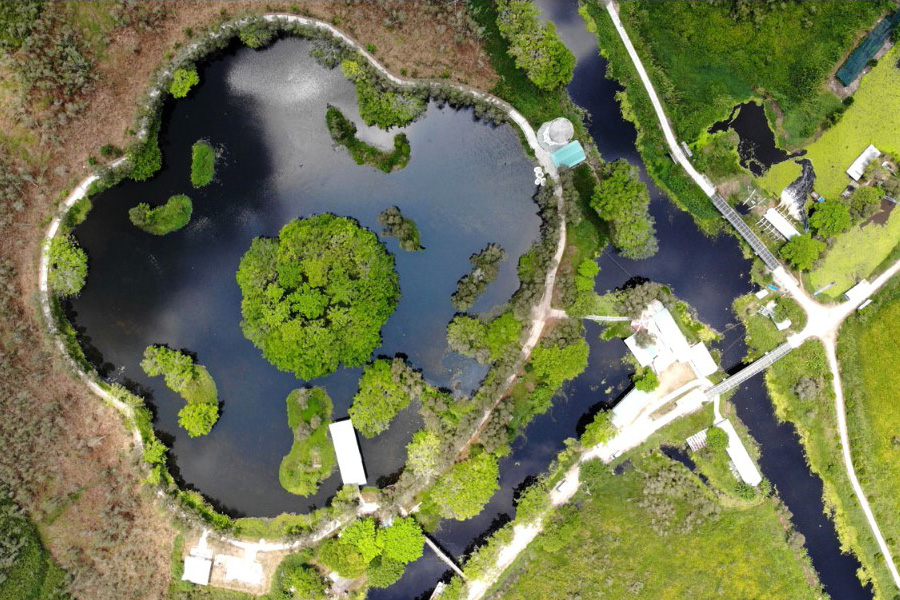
x: 569, y: 155
x: 863, y: 53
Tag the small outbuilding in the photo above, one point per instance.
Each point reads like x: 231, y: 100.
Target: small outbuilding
x: 859, y: 291
x: 346, y: 448
x: 197, y: 569
x: 555, y: 134
x: 569, y: 155
x: 858, y: 167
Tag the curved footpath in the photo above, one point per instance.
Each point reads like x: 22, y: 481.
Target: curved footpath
x: 540, y: 312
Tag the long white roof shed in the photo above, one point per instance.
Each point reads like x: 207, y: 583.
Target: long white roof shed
x: 781, y: 224
x: 858, y: 167
x: 346, y: 447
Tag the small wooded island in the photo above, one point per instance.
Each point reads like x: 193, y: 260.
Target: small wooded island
x: 317, y: 295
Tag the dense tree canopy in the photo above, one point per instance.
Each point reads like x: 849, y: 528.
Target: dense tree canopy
x: 68, y: 266
x: 536, y: 48
x: 463, y: 491
x: 555, y: 364
x: 182, y: 82
x: 381, y: 552
x: 802, y: 251
x: 386, y: 387
x: 317, y: 295
x: 622, y: 200
x: 377, y: 106
x: 830, y: 218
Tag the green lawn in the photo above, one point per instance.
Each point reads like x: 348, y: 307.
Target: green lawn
x: 816, y: 423
x: 874, y: 118
x: 656, y: 532
x: 311, y: 458
x: 856, y: 254
x: 704, y: 58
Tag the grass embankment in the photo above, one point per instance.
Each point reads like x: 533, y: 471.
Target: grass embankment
x: 171, y: 216
x: 706, y: 57
x: 760, y: 331
x: 619, y: 533
x: 27, y: 572
x: 203, y: 163
x: 343, y: 132
x: 816, y: 422
x: 636, y: 107
x: 311, y: 458
x: 873, y: 118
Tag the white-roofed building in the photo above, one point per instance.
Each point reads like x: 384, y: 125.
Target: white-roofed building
x: 858, y: 167
x: 346, y: 447
x: 743, y: 464
x: 197, y: 569
x: 781, y: 224
x: 859, y: 291
x: 702, y: 361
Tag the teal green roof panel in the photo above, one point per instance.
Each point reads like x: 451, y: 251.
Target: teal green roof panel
x: 569, y: 155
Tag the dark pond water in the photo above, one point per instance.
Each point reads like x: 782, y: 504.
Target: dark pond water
x: 467, y: 184
x: 757, y: 148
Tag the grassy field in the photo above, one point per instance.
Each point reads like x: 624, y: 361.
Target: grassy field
x: 656, y: 532
x: 867, y: 341
x: 856, y: 254
x: 816, y: 424
x: 708, y: 58
x: 874, y: 118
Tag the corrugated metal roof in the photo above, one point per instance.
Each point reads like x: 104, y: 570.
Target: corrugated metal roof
x: 346, y: 447
x: 569, y: 155
x: 858, y: 167
x: 780, y: 223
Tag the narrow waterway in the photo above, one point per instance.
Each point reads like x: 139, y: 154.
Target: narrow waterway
x: 706, y: 272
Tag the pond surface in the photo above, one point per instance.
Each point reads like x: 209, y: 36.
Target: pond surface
x: 757, y: 148
x: 467, y: 184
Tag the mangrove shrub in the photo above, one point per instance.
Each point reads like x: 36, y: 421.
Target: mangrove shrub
x: 377, y: 106
x: 317, y: 295
x: 622, y: 200
x: 386, y: 387
x: 190, y: 380
x: 171, y: 216
x: 485, y: 267
x: 462, y: 492
x: 343, y: 132
x: 203, y: 163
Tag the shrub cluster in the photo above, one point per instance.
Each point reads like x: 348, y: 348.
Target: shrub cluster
x: 386, y: 387
x: 192, y: 381
x: 311, y: 458
x: 398, y: 226
x: 182, y: 81
x: 622, y: 200
x: 377, y: 104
